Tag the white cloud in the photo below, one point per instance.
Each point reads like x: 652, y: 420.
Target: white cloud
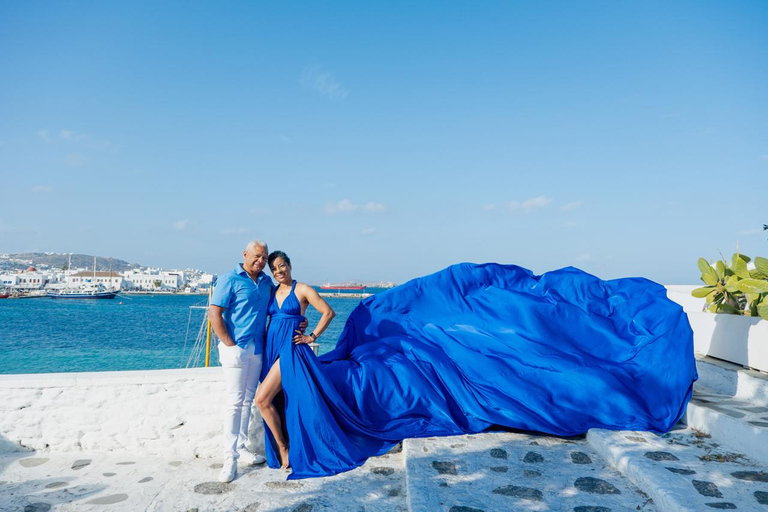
x: 529, y: 205
x: 572, y: 206
x: 73, y: 136
x: 260, y: 211
x: 584, y: 257
x: 233, y: 231
x: 571, y: 224
x: 489, y: 207
x: 315, y: 79
x: 180, y: 225
x: 42, y: 188
x: 75, y: 160
x: 347, y: 206
x: 77, y: 137
x: 43, y: 134
x: 750, y: 232
x: 368, y: 231
x: 372, y: 207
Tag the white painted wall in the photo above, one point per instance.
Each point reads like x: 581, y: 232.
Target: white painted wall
x: 158, y: 412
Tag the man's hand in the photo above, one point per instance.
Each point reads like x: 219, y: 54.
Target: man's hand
x: 218, y: 325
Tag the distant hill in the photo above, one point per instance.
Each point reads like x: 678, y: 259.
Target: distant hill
x: 42, y: 260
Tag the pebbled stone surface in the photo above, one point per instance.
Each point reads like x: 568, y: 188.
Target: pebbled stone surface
x: 444, y: 467
x: 382, y: 471
x: 533, y: 458
x: 660, y: 456
x: 498, y: 453
x: 751, y: 476
x: 681, y: 471
x: 213, y: 488
x: 108, y: 500
x: 33, y: 462
x: 580, y: 458
x: 707, y: 489
x: 80, y: 464
x: 535, y: 486
x: 595, y: 486
x: 37, y: 507
x: 525, y: 493
x: 705, y: 475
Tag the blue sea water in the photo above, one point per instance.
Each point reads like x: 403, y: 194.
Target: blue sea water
x: 133, y: 332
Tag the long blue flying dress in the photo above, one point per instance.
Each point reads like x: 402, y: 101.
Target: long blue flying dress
x: 474, y: 347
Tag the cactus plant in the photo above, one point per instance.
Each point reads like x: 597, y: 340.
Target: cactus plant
x: 735, y: 288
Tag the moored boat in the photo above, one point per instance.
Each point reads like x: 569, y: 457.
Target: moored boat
x: 88, y: 290
x: 344, y: 286
x: 85, y: 292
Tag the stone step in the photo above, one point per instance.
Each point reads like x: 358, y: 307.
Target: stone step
x: 738, y: 423
x: 730, y: 403
x: 726, y: 378
x: 514, y: 471
x: 684, y: 470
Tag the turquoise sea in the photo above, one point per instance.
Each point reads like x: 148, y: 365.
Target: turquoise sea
x: 130, y: 332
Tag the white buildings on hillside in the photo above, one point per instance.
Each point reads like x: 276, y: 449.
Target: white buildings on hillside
x: 132, y: 280
x: 166, y: 280
x: 30, y: 279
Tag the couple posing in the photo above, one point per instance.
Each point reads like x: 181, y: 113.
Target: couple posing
x: 242, y: 299
x: 468, y: 349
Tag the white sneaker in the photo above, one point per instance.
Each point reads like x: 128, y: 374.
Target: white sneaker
x: 229, y: 471
x: 248, y: 458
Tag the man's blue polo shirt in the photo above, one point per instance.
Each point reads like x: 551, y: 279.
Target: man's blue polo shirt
x: 245, y: 306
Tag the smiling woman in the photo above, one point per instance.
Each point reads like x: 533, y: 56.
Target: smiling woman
x: 285, y: 343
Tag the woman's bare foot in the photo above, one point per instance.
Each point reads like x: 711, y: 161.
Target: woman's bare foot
x: 284, y: 463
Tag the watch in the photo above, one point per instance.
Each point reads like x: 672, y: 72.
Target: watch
x: 313, y: 336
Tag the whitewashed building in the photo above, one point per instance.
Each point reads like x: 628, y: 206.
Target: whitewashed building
x: 31, y: 280
x: 153, y: 280
x: 110, y: 280
x: 9, y: 280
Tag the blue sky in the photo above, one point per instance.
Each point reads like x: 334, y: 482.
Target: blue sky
x: 387, y: 140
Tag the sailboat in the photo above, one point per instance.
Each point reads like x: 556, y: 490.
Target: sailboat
x: 89, y: 290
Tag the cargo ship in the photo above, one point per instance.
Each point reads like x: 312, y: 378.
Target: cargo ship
x: 344, y: 286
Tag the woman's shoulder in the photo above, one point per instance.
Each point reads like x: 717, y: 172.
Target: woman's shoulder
x: 302, y: 288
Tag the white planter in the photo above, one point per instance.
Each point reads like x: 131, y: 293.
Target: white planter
x: 739, y: 339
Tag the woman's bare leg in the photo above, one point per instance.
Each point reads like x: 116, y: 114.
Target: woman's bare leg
x: 271, y: 386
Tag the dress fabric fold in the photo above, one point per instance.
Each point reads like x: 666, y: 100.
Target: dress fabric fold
x: 479, y: 347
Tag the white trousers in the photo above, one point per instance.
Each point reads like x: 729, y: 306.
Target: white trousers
x: 241, y: 378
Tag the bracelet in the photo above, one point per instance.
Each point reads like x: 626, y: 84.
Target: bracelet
x: 313, y: 336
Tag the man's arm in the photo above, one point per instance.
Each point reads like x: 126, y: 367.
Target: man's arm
x: 218, y: 325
